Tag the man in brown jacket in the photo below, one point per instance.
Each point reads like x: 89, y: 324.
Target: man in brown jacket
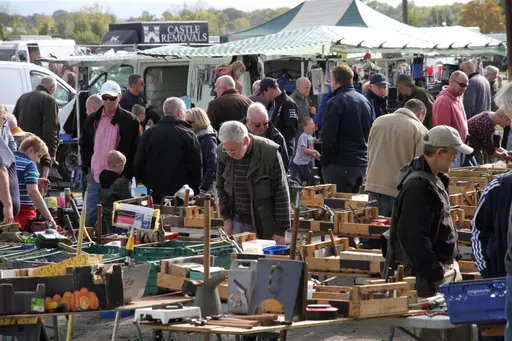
x: 229, y: 104
x: 409, y: 91
x: 37, y: 112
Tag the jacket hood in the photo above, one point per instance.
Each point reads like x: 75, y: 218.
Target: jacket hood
x: 107, y: 178
x: 407, y: 113
x: 209, y: 131
x: 419, y: 164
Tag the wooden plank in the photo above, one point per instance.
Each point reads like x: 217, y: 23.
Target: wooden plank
x: 331, y: 296
x: 328, y: 288
x: 383, y: 287
x: 469, y: 211
x: 467, y: 266
x: 379, y: 307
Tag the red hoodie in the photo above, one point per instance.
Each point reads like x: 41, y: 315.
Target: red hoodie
x: 448, y: 110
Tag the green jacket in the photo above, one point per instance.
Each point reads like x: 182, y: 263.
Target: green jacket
x: 267, y: 184
x: 427, y: 99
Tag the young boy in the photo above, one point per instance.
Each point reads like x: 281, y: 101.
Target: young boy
x: 113, y: 187
x: 30, y: 152
x: 140, y: 112
x: 301, y: 167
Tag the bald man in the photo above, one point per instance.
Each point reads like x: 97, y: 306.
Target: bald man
x: 93, y: 104
x: 301, y: 98
x: 477, y: 98
x: 448, y: 109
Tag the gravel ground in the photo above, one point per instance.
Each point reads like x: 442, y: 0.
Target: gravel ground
x: 91, y: 327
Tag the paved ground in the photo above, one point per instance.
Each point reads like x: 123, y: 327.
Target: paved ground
x: 90, y: 327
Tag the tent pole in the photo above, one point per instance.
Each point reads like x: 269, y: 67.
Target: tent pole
x: 302, y: 68
x: 508, y: 27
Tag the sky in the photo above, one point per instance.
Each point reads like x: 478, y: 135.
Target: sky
x: 129, y: 8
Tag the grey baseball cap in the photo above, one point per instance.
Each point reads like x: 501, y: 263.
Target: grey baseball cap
x: 445, y: 136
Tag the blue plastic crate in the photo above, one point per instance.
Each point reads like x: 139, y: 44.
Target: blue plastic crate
x: 476, y: 302
x: 112, y: 314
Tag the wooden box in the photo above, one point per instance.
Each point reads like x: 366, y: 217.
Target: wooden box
x: 194, y: 218
x: 371, y: 230
x: 468, y: 270
x: 352, y: 261
x: 464, y: 198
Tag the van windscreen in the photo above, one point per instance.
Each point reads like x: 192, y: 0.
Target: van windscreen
x: 6, y: 54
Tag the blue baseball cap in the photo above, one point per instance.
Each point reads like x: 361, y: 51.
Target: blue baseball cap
x: 379, y: 79
x: 267, y: 83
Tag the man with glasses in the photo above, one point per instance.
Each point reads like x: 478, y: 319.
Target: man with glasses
x: 252, y: 185
x: 109, y: 128
x: 258, y: 124
x: 448, y: 109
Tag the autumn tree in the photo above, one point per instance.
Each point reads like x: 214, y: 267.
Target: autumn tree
x: 486, y: 14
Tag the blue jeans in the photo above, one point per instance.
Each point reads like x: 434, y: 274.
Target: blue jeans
x: 469, y: 161
x: 385, y: 203
x: 93, y: 199
x: 508, y: 309
x: 301, y: 173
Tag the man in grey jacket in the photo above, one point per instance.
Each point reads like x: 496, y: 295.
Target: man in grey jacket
x: 477, y: 97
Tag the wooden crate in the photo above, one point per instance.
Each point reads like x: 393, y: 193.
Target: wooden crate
x: 366, y: 301
x: 458, y: 181
x: 308, y: 250
x: 314, y: 195
x: 469, y: 211
x: 468, y: 270
x: 194, y: 218
x: 479, y: 171
x: 372, y: 230
x: 464, y: 236
x: 316, y: 225
x: 352, y: 261
x: 464, y: 198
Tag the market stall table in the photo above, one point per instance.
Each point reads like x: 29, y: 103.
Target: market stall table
x: 145, y: 302
x: 440, y: 322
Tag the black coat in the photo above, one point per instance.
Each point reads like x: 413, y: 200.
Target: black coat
x: 380, y: 104
x: 208, y: 141
x: 283, y: 114
x: 168, y: 157
x: 128, y: 138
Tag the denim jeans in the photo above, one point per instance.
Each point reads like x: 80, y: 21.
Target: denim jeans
x: 508, y: 309
x: 385, y: 203
x: 301, y: 173
x: 346, y: 179
x: 93, y: 199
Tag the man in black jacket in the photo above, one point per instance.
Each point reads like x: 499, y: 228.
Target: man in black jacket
x: 37, y: 112
x: 110, y: 128
x: 422, y: 236
x: 258, y: 124
x: 346, y: 124
x: 282, y: 111
x: 169, y: 154
x: 377, y: 94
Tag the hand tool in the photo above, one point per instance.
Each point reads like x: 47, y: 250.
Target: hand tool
x: 51, y: 239
x: 334, y: 248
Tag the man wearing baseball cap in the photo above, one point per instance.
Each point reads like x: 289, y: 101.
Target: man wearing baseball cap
x: 377, y: 94
x: 109, y: 128
x: 422, y: 236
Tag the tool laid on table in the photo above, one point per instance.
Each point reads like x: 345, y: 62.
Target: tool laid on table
x: 232, y: 323
x: 167, y: 315
x: 429, y: 303
x: 321, y: 312
x: 231, y: 240
x: 51, y: 239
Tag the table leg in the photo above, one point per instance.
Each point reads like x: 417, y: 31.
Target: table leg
x: 405, y: 331
x: 238, y: 338
x: 391, y: 334
x: 169, y: 336
x: 55, y: 328
x: 116, y: 326
x: 219, y: 337
x: 283, y: 334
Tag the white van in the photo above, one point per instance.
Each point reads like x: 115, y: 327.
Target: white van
x: 32, y: 50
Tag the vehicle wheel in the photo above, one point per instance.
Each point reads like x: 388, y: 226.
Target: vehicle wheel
x: 67, y: 157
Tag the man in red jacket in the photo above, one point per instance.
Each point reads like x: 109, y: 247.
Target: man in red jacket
x: 448, y: 108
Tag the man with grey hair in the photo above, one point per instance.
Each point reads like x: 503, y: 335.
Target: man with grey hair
x: 229, y: 104
x: 477, y: 98
x: 93, y: 104
x: 256, y: 86
x: 109, y: 128
x: 301, y: 98
x: 258, y: 124
x: 169, y: 154
x: 394, y: 140
x: 492, y: 74
x: 37, y: 112
x: 252, y: 185
x: 409, y: 90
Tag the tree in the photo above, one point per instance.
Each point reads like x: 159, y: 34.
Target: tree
x: 486, y: 14
x: 17, y: 24
x: 44, y: 24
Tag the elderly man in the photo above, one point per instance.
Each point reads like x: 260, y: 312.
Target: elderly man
x: 37, y: 112
x: 477, y: 98
x: 378, y: 94
x: 109, y: 128
x: 346, y: 125
x: 93, y: 104
x: 160, y: 170
x: 258, y: 124
x: 252, y: 185
x: 229, y: 104
x: 408, y: 90
x: 256, y: 86
x: 492, y: 74
x: 282, y: 111
x: 134, y: 94
x: 301, y: 98
x: 394, y: 141
x: 422, y: 236
x: 9, y: 191
x: 448, y: 109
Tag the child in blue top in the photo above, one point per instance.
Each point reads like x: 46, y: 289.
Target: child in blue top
x: 30, y: 152
x: 301, y: 166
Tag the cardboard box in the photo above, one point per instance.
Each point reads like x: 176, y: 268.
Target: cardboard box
x: 183, y: 270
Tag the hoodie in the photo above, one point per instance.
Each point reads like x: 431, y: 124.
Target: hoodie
x: 113, y: 187
x: 208, y: 141
x: 449, y: 111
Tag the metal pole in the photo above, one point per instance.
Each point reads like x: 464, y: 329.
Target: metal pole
x: 508, y: 27
x: 405, y: 13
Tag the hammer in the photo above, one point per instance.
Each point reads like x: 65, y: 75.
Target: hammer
x: 51, y: 239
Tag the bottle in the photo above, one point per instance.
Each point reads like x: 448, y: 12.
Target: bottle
x: 67, y: 196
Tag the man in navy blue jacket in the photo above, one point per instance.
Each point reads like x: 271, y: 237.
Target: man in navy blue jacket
x: 489, y: 229
x: 346, y: 125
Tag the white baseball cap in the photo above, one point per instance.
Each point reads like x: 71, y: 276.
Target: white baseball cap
x: 445, y: 136
x: 110, y: 88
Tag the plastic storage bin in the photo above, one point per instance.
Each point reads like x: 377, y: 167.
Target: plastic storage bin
x: 476, y: 302
x: 257, y: 246
x: 282, y: 250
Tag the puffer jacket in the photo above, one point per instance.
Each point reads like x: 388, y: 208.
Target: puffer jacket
x: 208, y: 141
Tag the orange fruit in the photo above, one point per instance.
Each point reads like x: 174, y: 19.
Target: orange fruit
x: 84, y: 303
x: 77, y: 299
x: 83, y: 291
x: 67, y: 295
x: 94, y: 302
x: 49, y: 304
x: 57, y: 298
x: 71, y: 302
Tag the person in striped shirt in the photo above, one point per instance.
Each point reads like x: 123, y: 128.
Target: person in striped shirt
x: 30, y: 152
